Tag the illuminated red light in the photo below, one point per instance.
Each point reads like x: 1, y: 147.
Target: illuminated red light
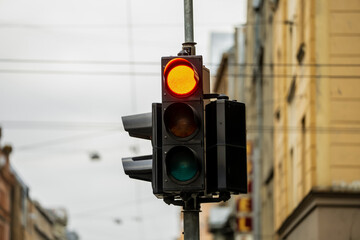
x: 180, y: 77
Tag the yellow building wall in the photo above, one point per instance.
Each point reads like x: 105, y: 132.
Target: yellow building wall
x: 316, y: 135
x: 280, y: 138
x: 344, y: 48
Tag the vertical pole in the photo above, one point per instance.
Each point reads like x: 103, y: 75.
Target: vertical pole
x: 189, y: 44
x: 191, y: 225
x: 191, y: 219
x: 188, y: 20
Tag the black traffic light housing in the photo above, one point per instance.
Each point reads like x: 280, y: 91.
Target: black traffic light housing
x: 226, y: 147
x: 183, y: 125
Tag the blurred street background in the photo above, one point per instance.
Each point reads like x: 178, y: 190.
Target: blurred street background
x: 70, y: 69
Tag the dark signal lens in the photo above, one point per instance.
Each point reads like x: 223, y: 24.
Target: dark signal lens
x: 182, y: 164
x: 180, y: 77
x: 180, y: 120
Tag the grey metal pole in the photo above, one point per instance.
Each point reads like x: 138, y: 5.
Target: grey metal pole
x: 191, y: 225
x: 188, y: 21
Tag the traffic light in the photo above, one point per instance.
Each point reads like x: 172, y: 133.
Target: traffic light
x: 188, y: 157
x: 183, y: 157
x: 226, y: 147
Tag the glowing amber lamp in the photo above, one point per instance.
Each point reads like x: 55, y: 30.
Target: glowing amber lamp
x: 181, y: 78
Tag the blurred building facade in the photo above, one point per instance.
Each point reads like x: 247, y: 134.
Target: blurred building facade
x: 234, y: 218
x: 260, y: 119
x: 296, y: 65
x: 317, y: 119
x: 21, y: 218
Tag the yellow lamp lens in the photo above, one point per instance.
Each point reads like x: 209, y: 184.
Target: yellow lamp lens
x: 181, y: 78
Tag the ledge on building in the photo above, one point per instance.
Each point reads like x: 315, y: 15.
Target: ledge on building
x: 324, y: 214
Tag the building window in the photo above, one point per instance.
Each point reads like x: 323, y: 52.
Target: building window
x: 292, y: 89
x: 303, y: 125
x: 292, y: 178
x: 303, y: 152
x: 301, y: 53
x: 277, y: 115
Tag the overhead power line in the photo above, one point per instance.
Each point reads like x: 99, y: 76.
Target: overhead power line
x: 300, y: 129
x: 103, y: 26
x: 61, y: 61
x: 115, y: 62
x: 67, y: 72
x: 61, y: 125
x: 121, y: 73
x: 114, y: 126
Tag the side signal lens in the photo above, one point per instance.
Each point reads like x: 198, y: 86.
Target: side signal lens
x: 180, y: 77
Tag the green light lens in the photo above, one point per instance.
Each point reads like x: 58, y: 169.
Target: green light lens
x: 182, y: 163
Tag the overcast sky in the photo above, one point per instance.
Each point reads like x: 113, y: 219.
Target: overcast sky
x: 57, y: 113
